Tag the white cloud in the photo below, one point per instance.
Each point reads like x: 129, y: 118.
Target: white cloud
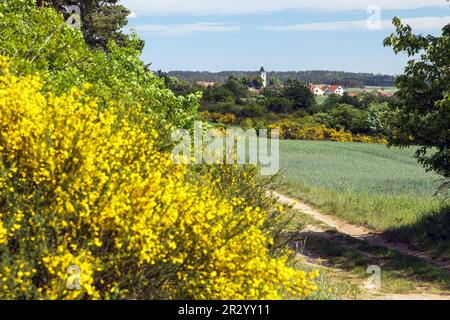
x: 186, y: 29
x: 240, y: 7
x: 421, y: 24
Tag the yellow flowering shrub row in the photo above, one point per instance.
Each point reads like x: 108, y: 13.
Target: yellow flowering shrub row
x: 369, y: 139
x: 90, y: 209
x: 291, y: 130
x: 226, y: 119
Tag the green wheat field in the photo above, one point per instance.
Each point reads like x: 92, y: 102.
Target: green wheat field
x: 369, y: 184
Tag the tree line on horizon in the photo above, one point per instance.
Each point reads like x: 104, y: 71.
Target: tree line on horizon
x: 347, y: 79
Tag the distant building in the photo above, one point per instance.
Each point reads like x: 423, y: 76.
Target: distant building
x: 320, y: 90
x: 339, y: 91
x: 317, y: 90
x: 263, y: 75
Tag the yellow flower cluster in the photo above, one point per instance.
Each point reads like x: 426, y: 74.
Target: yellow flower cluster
x: 88, y: 190
x: 226, y: 119
x: 71, y: 276
x: 3, y: 232
x: 15, y: 279
x: 369, y: 139
x: 292, y: 130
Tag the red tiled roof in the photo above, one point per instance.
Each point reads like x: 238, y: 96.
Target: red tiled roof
x: 333, y: 88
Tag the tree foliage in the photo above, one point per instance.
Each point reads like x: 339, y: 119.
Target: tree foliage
x: 84, y: 182
x: 346, y: 79
x: 38, y: 40
x: 424, y: 96
x: 299, y: 94
x: 87, y: 188
x: 102, y: 21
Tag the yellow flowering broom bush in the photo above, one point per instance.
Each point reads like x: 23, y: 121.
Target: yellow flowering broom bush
x: 293, y: 130
x: 89, y: 209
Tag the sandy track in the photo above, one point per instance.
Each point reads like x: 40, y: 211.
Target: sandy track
x: 361, y: 233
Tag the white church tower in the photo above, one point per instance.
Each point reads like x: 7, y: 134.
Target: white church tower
x: 263, y: 74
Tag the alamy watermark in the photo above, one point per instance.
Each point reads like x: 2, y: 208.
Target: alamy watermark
x: 374, y: 280
x: 230, y: 146
x: 374, y: 20
x: 73, y: 281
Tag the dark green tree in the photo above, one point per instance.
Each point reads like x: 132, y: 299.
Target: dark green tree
x: 275, y: 82
x: 273, y: 92
x: 253, y: 111
x: 331, y: 101
x: 102, y: 21
x: 350, y: 118
x: 218, y: 94
x: 370, y: 97
x: 299, y: 94
x: 351, y: 100
x: 279, y: 105
x: 257, y: 83
x: 247, y: 82
x: 423, y: 99
x: 236, y: 87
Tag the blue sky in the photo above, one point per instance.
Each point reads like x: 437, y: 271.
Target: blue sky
x: 216, y: 35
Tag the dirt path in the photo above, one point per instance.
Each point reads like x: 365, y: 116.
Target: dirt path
x: 371, y: 294
x: 411, y: 296
x: 361, y: 233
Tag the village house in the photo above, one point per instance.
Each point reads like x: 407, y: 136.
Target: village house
x: 335, y: 90
x: 320, y: 90
x: 317, y: 90
x: 339, y: 91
